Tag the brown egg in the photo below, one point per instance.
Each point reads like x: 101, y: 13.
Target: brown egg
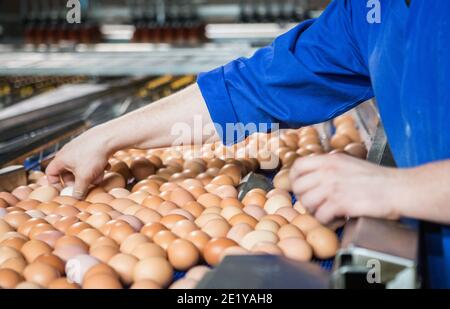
x: 164, y: 239
x: 357, y: 150
x: 267, y: 225
x: 199, y: 239
x: 104, y: 241
x: 221, y: 180
x: 339, y: 141
x: 40, y: 273
x: 214, y: 249
x: 132, y: 241
x: 254, y: 237
x: 120, y: 204
x: 182, y: 254
x: 134, y: 222
x: 10, y: 199
x: 66, y: 252
x: 100, y: 268
x: 323, y: 241
x: 5, y: 227
x: 94, y: 191
x: 243, y: 218
x: 44, y: 194
x: 138, y: 196
x: 291, y: 156
x: 81, y: 205
x: 47, y: 207
x: 98, y: 208
x: 343, y: 119
x: 65, y: 222
x: 156, y: 269
x: 50, y: 237
x: 28, y: 204
x: 183, y: 227
x: 89, y: 236
x: 146, y: 215
x: 76, y: 228
x: 254, y: 199
x: 32, y: 249
x: 269, y: 248
x: 25, y: 285
x: 216, y: 228
x: 97, y: 220
x: 71, y: 240
x: 112, y: 180
x: 141, y: 168
x: 170, y: 220
x: 119, y: 192
x: 65, y: 200
x: 146, y: 250
x: 229, y: 211
x: 63, y: 284
x: 21, y: 192
x: 124, y: 264
x: 101, y: 197
x: 164, y: 208
x: 205, y: 178
x: 183, y: 284
x: 9, y: 278
x: 132, y: 210
x: 350, y: 131
x: 257, y: 191
x: 255, y: 211
x: 197, y: 273
x: 120, y: 231
x: 305, y: 223
x: 17, y: 264
x: 151, y: 229
x: 52, y: 219
x: 281, y: 180
x: 146, y: 284
x: 53, y: 261
x: 289, y: 213
x: 276, y: 202
x: 16, y: 218
x: 296, y: 248
x: 103, y: 253
x: 102, y: 281
x: 226, y: 191
x: 209, y: 200
x: 205, y: 218
x: 238, y: 232
x: 231, y: 202
x: 194, y: 208
x: 13, y: 242
x: 181, y: 197
x: 83, y: 215
x: 289, y: 231
x: 121, y: 168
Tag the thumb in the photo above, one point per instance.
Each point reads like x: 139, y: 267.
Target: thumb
x: 80, y: 187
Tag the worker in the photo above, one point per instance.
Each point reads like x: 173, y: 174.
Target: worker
x: 394, y: 50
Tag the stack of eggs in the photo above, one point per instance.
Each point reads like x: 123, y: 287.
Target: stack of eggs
x: 157, y: 212
x: 347, y: 138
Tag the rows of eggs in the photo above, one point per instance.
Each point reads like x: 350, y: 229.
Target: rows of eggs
x: 182, y: 213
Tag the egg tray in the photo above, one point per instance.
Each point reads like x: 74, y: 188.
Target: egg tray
x: 326, y: 265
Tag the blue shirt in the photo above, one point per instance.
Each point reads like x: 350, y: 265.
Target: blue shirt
x: 324, y: 67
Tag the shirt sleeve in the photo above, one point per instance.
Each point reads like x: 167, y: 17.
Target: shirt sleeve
x: 310, y: 74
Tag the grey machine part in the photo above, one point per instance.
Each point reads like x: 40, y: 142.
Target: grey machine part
x: 264, y: 272
x: 376, y: 253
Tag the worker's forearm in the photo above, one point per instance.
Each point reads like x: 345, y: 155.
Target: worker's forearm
x: 160, y: 124
x: 427, y: 191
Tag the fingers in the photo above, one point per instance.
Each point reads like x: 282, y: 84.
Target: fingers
x: 54, y: 169
x: 312, y: 199
x: 306, y: 183
x: 303, y: 166
x: 326, y: 213
x: 81, y: 186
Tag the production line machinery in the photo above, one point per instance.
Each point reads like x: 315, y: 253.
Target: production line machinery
x: 33, y: 130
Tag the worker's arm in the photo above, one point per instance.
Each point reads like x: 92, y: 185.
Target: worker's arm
x: 341, y: 186
x: 159, y: 124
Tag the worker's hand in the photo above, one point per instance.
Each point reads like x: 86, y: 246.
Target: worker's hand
x: 81, y: 161
x: 337, y: 186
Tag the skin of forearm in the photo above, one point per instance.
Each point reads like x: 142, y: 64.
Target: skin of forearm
x: 151, y: 126
x: 426, y: 190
